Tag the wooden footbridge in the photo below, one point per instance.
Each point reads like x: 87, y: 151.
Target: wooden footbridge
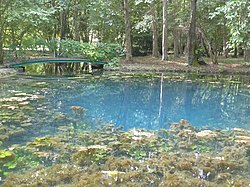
x: 59, y: 61
x: 23, y: 63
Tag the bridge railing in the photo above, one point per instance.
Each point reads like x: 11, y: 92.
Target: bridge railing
x: 22, y: 63
x: 58, y: 65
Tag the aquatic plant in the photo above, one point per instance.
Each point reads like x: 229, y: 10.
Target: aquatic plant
x: 181, y: 155
x: 6, y: 156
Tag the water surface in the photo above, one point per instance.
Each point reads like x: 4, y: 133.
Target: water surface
x: 55, y: 125
x: 149, y: 103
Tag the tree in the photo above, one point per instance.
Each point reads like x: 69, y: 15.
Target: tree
x: 1, y: 35
x: 164, y: 32
x: 76, y: 20
x: 4, y: 9
x: 215, y: 28
x: 155, y: 51
x: 225, y: 50
x: 63, y: 20
x: 236, y: 14
x: 212, y: 33
x: 175, y: 8
x: 191, y: 56
x: 128, y: 44
x: 18, y: 18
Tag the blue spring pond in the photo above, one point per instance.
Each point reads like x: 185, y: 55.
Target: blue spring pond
x: 133, y: 102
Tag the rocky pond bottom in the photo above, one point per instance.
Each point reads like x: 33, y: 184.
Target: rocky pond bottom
x: 50, y: 137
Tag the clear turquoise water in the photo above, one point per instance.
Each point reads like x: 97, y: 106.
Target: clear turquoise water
x: 149, y: 103
x: 44, y: 142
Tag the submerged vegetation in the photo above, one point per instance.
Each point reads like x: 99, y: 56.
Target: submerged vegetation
x: 42, y: 146
x: 179, y: 155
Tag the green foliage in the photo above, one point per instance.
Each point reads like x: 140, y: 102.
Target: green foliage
x: 10, y: 165
x: 93, y: 52
x: 35, y: 25
x: 7, y: 161
x: 237, y: 14
x: 5, y: 154
x: 110, y: 52
x: 22, y: 17
x: 69, y: 48
x: 75, y: 49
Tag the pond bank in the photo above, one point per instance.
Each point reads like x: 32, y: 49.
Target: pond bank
x: 5, y: 72
x: 151, y: 64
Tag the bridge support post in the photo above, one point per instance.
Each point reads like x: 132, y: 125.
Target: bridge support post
x: 23, y: 68
x: 90, y: 68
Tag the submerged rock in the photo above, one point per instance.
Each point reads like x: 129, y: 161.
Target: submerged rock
x: 92, y: 147
x: 78, y: 109
x: 207, y: 134
x: 112, y: 173
x: 243, y: 140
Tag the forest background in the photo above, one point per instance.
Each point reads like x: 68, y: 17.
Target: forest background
x: 194, y: 28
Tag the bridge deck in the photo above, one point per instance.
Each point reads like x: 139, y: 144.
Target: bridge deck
x: 52, y: 60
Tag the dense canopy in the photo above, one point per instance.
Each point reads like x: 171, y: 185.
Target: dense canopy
x: 214, y: 27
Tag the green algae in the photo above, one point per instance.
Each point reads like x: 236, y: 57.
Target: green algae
x: 5, y: 155
x: 113, y: 157
x: 16, y: 114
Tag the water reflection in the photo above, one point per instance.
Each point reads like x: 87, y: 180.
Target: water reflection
x: 152, y: 103
x: 149, y: 103
x: 65, y: 69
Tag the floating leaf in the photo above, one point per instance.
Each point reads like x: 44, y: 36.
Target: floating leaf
x: 11, y: 165
x: 4, y: 154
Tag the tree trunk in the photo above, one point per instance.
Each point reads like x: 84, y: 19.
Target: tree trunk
x: 1, y: 52
x: 247, y: 55
x: 181, y: 43
x: 225, y: 52
x: 76, y: 30
x: 63, y: 24
x: 1, y: 47
x: 76, y: 22
x: 155, y: 52
x: 176, y: 35
x: 208, y: 47
x: 235, y: 51
x: 164, y: 32
x: 62, y: 31
x: 53, y: 4
x: 128, y: 44
x: 13, y: 43
x: 54, y: 38
x: 191, y: 56
x: 176, y: 43
x: 1, y: 34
